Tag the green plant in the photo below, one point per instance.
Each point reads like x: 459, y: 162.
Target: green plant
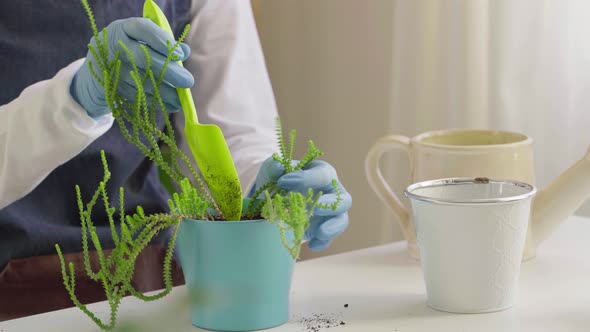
x: 133, y: 234
x: 137, y: 120
x: 285, y: 158
x: 290, y: 211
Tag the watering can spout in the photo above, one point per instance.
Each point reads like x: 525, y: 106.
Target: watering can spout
x: 560, y: 198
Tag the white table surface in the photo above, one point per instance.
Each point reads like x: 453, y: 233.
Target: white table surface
x: 385, y: 292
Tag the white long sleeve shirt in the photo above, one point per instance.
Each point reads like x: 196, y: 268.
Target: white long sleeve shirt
x: 45, y: 127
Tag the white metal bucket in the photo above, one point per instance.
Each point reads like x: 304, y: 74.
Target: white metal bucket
x: 471, y: 234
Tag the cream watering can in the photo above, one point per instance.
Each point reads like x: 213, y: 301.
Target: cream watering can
x: 480, y: 153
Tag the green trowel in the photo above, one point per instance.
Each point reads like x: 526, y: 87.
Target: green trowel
x: 206, y: 142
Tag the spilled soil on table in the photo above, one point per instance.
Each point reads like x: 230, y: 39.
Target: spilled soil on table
x: 317, y: 322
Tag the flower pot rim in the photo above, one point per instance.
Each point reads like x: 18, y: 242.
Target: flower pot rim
x: 227, y: 222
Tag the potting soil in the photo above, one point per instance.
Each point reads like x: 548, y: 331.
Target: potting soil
x: 318, y: 322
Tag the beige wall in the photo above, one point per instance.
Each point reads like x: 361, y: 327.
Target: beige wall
x: 330, y: 65
x: 348, y: 71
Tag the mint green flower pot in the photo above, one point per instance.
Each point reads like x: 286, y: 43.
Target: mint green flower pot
x: 238, y: 274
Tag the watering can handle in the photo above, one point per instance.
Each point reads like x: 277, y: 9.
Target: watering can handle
x: 378, y: 183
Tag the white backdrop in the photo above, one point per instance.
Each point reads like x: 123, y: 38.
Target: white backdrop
x: 346, y: 72
x: 514, y: 65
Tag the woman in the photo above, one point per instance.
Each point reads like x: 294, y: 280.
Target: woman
x: 54, y: 122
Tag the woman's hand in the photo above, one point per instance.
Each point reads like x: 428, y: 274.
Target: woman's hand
x: 326, y: 224
x: 133, y: 32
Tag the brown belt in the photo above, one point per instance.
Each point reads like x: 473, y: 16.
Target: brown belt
x: 34, y: 285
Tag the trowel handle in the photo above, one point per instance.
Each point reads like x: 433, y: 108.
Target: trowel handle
x: 188, y: 105
x: 380, y: 186
x: 154, y: 13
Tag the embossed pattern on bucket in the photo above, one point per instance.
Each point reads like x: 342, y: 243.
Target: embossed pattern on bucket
x: 471, y: 236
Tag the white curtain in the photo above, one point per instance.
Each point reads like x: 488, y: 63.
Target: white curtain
x: 515, y: 65
x: 346, y: 72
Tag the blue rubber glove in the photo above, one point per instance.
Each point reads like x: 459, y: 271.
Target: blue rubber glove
x: 133, y: 32
x: 325, y: 225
